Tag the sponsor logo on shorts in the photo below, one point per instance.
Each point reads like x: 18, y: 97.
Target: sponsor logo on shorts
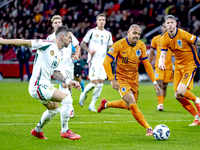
x: 52, y: 52
x: 123, y: 89
x: 156, y: 75
x: 93, y: 75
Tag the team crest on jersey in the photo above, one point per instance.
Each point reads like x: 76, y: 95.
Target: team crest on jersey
x: 106, y: 37
x: 111, y: 49
x: 97, y: 35
x: 59, y: 60
x: 123, y: 89
x: 179, y: 42
x: 37, y: 40
x: 138, y: 52
x: 52, y: 52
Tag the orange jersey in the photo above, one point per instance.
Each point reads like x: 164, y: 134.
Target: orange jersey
x: 156, y: 44
x: 181, y: 44
x: 127, y: 59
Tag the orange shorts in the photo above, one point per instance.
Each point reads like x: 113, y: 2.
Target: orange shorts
x: 165, y: 75
x: 126, y: 86
x: 184, y: 76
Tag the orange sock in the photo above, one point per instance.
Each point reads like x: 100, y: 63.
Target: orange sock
x: 117, y: 104
x: 188, y: 106
x: 160, y: 99
x: 189, y: 95
x: 138, y: 115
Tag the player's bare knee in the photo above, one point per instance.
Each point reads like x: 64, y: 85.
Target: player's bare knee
x: 178, y: 96
x: 51, y: 105
x: 180, y: 92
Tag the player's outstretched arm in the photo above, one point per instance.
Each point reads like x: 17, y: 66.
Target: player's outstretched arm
x: 77, y: 52
x: 162, y: 60
x: 16, y: 42
x: 151, y: 55
x: 84, y: 46
x: 58, y: 76
x: 115, y: 85
x: 150, y: 72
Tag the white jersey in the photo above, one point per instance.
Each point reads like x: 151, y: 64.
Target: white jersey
x: 67, y: 63
x: 47, y: 60
x: 98, y: 40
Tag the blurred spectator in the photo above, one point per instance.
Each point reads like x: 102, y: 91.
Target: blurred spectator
x: 118, y: 16
x: 63, y: 11
x: 23, y: 55
x: 39, y: 7
x: 52, y: 4
x: 81, y: 16
x: 46, y: 5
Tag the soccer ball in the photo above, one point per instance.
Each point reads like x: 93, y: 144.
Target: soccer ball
x: 161, y: 132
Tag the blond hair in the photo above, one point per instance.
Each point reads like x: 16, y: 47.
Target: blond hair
x: 101, y: 15
x: 56, y: 17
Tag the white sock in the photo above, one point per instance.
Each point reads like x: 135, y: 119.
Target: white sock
x: 46, y: 117
x: 65, y: 112
x: 67, y: 91
x: 96, y: 93
x: 105, y: 105
x: 197, y: 100
x: 89, y: 87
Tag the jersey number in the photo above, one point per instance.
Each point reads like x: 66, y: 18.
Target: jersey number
x: 185, y: 76
x: 125, y: 60
x: 101, y: 42
x: 54, y: 64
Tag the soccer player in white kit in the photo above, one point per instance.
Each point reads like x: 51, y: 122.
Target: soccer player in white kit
x: 46, y: 64
x: 99, y: 41
x: 67, y: 64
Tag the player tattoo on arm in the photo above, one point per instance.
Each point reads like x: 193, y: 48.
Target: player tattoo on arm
x: 84, y: 46
x: 197, y: 42
x: 58, y: 76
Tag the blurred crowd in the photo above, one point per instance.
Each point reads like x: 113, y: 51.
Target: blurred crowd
x: 29, y: 19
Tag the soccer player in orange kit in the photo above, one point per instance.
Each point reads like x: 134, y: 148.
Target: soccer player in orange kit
x: 129, y: 52
x: 181, y: 43
x: 162, y: 76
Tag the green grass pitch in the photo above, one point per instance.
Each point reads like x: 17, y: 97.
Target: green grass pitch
x: 112, y: 129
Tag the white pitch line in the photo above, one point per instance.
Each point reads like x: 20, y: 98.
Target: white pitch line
x: 10, y: 124
x: 94, y: 115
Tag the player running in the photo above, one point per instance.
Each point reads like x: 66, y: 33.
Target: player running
x: 181, y: 43
x: 128, y: 52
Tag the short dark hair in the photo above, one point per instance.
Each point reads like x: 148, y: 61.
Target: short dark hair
x: 62, y: 30
x: 171, y: 17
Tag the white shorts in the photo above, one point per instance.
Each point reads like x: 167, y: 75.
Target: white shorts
x: 68, y: 73
x: 43, y: 92
x: 97, y: 71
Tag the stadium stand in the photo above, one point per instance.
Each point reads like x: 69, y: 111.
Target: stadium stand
x: 30, y: 19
